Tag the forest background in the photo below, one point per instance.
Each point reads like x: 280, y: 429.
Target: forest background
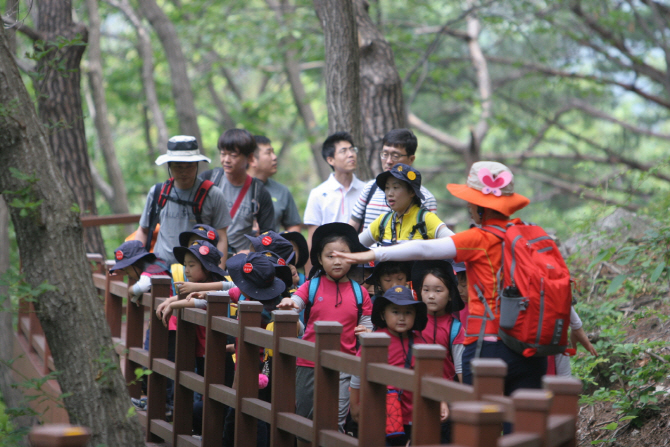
x: 572, y: 95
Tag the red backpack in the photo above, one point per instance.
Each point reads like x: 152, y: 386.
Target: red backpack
x: 534, y: 291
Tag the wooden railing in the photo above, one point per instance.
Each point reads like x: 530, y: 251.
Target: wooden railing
x: 540, y: 417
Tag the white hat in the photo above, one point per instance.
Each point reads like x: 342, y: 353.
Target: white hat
x: 182, y: 148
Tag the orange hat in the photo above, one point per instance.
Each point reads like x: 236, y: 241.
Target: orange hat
x: 490, y: 185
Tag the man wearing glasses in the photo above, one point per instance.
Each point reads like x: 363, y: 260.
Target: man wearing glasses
x: 398, y: 146
x: 333, y: 200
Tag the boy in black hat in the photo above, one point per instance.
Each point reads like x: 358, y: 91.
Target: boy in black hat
x: 407, y: 220
x: 301, y: 257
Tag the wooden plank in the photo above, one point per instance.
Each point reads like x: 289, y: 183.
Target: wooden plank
x: 195, y: 316
x: 99, y: 281
x: 297, y: 425
x: 139, y: 356
x: 340, y: 361
x: 259, y: 337
x: 164, y: 367
x: 161, y: 429
x: 90, y: 220
x: 332, y: 438
x: 192, y: 381
x: 187, y: 441
x: 446, y: 390
x: 119, y: 346
x: 391, y: 375
x: 520, y: 440
x: 504, y: 402
x: 225, y: 325
x: 256, y: 408
x: 297, y: 348
x: 142, y: 417
x: 118, y: 289
x: 560, y: 429
x: 223, y: 394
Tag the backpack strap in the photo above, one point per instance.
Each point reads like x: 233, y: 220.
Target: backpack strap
x: 453, y: 332
x: 358, y: 292
x: 420, y: 225
x: 408, y: 358
x: 199, y: 199
x: 382, y: 226
x: 313, y: 287
x: 371, y: 193
x: 495, y: 230
x: 158, y: 201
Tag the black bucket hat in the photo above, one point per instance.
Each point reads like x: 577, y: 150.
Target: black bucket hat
x: 208, y: 255
x: 254, y: 274
x: 205, y: 232
x: 419, y: 271
x: 272, y: 241
x: 403, y: 172
x: 130, y: 252
x: 335, y: 228
x: 378, y: 268
x: 282, y: 270
x: 402, y: 296
x: 301, y: 258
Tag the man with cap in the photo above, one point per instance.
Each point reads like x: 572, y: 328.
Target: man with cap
x: 181, y: 202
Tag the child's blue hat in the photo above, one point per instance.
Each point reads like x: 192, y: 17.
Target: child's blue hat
x: 208, y: 255
x: 254, y: 274
x: 272, y: 241
x: 403, y: 172
x: 421, y: 268
x: 130, y: 252
x: 282, y: 270
x: 205, y: 232
x: 401, y: 296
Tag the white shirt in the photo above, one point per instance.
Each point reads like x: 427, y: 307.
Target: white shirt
x: 332, y: 202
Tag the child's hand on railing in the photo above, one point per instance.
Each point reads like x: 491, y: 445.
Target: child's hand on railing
x: 196, y: 295
x: 186, y: 287
x: 444, y: 411
x: 287, y: 304
x: 167, y: 312
x: 360, y: 329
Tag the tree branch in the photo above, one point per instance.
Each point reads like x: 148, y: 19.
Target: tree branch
x: 101, y: 185
x: 31, y: 33
x: 483, y: 78
x: 439, y: 136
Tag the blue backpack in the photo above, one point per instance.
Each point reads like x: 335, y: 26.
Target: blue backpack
x: 314, y: 286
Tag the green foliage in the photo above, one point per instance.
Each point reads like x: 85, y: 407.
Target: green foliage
x: 24, y: 198
x: 18, y: 288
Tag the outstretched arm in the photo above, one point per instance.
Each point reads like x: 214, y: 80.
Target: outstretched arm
x: 431, y: 249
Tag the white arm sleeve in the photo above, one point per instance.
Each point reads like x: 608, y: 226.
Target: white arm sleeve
x: 365, y: 320
x: 443, y: 231
x: 431, y: 249
x: 301, y: 304
x: 575, y: 321
x: 355, y: 382
x: 143, y: 285
x: 457, y: 354
x: 366, y: 238
x: 227, y: 285
x: 200, y: 304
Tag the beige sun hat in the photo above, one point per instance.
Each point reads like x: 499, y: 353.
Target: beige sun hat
x: 182, y: 148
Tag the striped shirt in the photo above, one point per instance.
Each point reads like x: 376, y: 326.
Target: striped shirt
x: 378, y: 206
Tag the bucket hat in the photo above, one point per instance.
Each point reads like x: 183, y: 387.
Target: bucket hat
x: 335, y: 228
x: 402, y: 296
x: 419, y: 270
x: 403, y: 172
x: 208, y: 255
x: 254, y: 274
x: 130, y: 252
x: 182, y: 148
x: 282, y: 270
x: 490, y: 185
x: 205, y: 232
x: 272, y: 241
x: 301, y: 258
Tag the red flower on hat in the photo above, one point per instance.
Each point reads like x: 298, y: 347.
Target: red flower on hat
x: 248, y: 268
x: 267, y: 240
x: 371, y: 263
x: 281, y: 262
x: 203, y: 250
x: 210, y: 235
x: 119, y: 255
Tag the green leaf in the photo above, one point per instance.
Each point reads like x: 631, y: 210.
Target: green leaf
x: 658, y: 271
x: 131, y: 412
x: 615, y: 284
x: 611, y: 426
x: 627, y: 418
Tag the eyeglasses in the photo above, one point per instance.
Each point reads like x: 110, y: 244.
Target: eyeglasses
x: 395, y: 156
x: 344, y: 150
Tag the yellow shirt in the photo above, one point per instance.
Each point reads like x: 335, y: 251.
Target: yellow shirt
x: 405, y: 224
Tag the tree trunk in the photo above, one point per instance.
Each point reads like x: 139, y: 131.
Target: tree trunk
x: 382, y: 102
x: 119, y: 202
x: 292, y: 70
x: 342, y: 73
x: 59, y: 104
x: 181, y: 85
x: 50, y: 242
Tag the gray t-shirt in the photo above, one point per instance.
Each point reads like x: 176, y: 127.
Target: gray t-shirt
x: 175, y: 218
x: 286, y: 211
x: 243, y: 221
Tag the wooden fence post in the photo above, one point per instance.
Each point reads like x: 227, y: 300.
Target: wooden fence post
x: 326, y: 381
x: 134, y: 332
x: 476, y: 424
x: 566, y: 397
x: 113, y: 305
x: 531, y: 412
x: 426, y: 412
x: 182, y: 422
x: 283, y: 376
x: 374, y: 349
x: 488, y: 377
x: 246, y: 374
x: 213, y: 412
x: 158, y: 349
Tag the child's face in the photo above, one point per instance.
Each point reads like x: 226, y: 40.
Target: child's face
x: 193, y: 239
x: 463, y: 286
x: 294, y: 274
x: 435, y: 294
x: 334, y: 267
x: 397, y: 195
x: 193, y: 269
x: 399, y: 319
x: 131, y: 272
x: 391, y: 280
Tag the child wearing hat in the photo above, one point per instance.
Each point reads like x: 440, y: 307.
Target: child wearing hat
x: 388, y: 274
x: 489, y: 192
x: 336, y: 298
x: 297, y: 264
x: 139, y: 265
x: 402, y: 318
x: 407, y: 220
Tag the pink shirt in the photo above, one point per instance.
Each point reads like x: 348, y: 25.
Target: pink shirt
x: 325, y: 309
x: 438, y: 331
